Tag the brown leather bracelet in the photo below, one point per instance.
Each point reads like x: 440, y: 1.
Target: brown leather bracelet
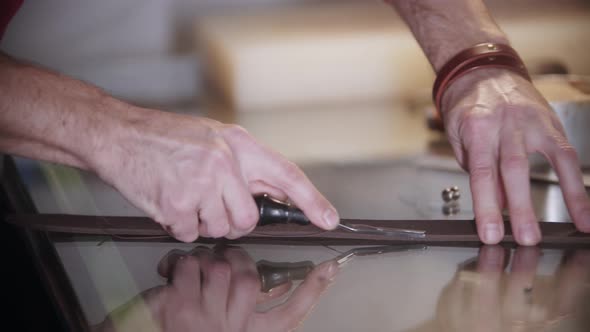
x: 486, y: 55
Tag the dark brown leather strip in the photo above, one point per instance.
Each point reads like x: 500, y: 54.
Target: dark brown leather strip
x: 441, y: 232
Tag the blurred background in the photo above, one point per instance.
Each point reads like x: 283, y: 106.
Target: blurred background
x: 318, y: 80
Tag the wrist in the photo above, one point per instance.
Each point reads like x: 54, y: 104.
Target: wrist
x: 473, y: 59
x: 452, y: 48
x: 108, y: 123
x: 471, y: 82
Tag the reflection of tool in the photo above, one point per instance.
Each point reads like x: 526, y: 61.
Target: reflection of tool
x: 273, y: 274
x: 367, y: 251
x: 273, y: 211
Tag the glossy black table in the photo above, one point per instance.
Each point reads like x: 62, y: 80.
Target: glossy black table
x: 129, y: 284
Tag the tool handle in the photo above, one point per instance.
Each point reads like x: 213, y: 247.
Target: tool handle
x: 273, y: 211
x: 273, y: 274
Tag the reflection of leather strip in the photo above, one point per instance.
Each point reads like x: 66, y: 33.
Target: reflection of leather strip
x: 438, y: 232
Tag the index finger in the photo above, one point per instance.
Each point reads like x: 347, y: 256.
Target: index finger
x: 261, y: 164
x: 483, y: 178
x: 291, y: 179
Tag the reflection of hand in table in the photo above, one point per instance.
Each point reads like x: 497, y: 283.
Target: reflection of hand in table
x: 217, y: 291
x: 484, y: 297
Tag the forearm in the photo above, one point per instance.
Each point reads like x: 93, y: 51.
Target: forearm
x: 443, y: 28
x: 52, y: 117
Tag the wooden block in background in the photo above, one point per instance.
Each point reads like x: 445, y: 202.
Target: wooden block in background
x: 310, y: 55
x: 334, y: 54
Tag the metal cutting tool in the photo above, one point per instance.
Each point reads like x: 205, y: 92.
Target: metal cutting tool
x: 273, y: 211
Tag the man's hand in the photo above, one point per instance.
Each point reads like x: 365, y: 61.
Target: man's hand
x: 196, y: 176
x: 494, y: 119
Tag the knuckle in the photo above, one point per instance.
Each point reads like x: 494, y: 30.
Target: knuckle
x: 219, y: 268
x: 519, y: 112
x: 580, y: 202
x: 249, y: 218
x: 248, y: 281
x: 171, y: 219
x: 565, y: 150
x: 182, y: 231
x: 235, y: 131
x: 555, y: 136
x: 220, y: 230
x: 243, y: 224
x: 556, y: 123
x: 220, y: 156
x: 292, y: 173
x: 481, y: 173
x: 514, y: 162
x: 180, y: 206
x: 521, y: 212
x: 474, y: 123
x: 476, y: 133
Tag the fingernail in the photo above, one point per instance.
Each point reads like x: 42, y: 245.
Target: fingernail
x: 332, y: 269
x: 331, y: 218
x: 329, y: 272
x: 492, y: 234
x: 529, y: 234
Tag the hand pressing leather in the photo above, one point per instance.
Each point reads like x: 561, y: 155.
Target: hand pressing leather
x: 494, y: 119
